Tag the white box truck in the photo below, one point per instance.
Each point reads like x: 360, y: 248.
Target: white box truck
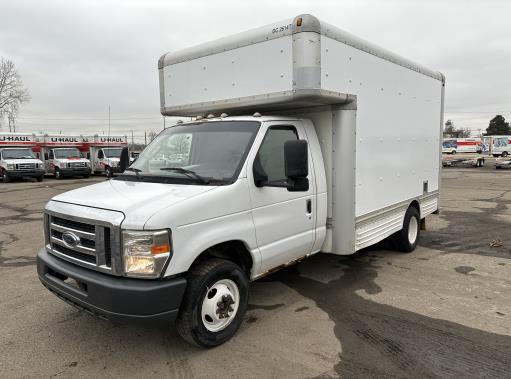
x: 462, y: 145
x: 62, y: 155
x: 498, y: 146
x: 18, y: 158
x: 311, y: 140
x: 104, y: 152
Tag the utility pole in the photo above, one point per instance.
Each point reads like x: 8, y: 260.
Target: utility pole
x: 145, y: 138
x: 132, y: 140
x: 11, y: 122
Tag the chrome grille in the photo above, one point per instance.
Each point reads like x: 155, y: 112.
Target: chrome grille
x: 80, y: 242
x: 26, y: 166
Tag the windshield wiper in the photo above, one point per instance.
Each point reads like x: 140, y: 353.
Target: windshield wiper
x: 135, y: 170
x: 189, y: 173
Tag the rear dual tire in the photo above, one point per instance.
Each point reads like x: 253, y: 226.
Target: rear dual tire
x: 214, y: 303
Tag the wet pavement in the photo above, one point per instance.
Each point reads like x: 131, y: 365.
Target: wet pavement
x: 441, y: 311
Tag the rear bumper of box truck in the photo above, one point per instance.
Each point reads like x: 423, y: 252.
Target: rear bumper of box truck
x: 110, y: 297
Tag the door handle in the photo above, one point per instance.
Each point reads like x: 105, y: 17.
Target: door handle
x: 309, y: 206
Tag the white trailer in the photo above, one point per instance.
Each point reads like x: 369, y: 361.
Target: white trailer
x: 104, y: 153
x: 18, y: 157
x: 307, y: 139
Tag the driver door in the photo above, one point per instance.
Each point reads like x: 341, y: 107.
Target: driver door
x: 284, y: 221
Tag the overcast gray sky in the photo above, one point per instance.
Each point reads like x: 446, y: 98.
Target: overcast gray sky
x: 79, y: 57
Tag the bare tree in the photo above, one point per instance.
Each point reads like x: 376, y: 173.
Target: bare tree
x: 12, y: 92
x: 152, y: 135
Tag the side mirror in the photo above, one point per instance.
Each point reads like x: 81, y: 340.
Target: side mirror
x: 124, y: 159
x: 45, y: 156
x: 296, y: 161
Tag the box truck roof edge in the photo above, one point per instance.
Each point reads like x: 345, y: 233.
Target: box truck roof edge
x: 306, y: 89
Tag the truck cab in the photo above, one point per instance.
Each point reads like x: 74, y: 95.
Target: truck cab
x: 19, y: 162
x: 65, y: 162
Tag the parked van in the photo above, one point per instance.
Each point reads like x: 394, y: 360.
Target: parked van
x: 278, y: 164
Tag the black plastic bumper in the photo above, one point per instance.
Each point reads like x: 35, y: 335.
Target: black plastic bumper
x: 109, y: 297
x: 25, y: 173
x: 75, y: 171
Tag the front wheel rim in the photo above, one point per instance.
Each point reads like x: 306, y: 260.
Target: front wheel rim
x: 412, y: 230
x: 220, y: 305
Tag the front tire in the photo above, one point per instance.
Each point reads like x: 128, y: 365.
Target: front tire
x: 214, y: 303
x: 108, y: 172
x: 58, y: 174
x: 406, y: 239
x: 504, y: 154
x: 5, y: 178
x: 39, y: 178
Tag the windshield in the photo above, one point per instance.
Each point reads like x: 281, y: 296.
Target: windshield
x: 66, y: 153
x: 17, y: 154
x: 204, y: 153
x: 112, y: 152
x: 448, y: 144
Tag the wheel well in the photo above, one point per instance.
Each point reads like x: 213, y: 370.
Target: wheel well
x: 234, y: 251
x: 415, y: 204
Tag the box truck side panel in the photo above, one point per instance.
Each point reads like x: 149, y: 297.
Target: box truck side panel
x: 397, y: 125
x: 258, y: 69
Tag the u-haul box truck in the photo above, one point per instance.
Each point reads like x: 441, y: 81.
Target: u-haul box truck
x: 18, y: 157
x: 462, y: 145
x: 498, y: 146
x: 62, y: 155
x: 280, y: 166
x: 104, y: 153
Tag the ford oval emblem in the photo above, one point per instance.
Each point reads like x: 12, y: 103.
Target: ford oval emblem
x: 70, y: 239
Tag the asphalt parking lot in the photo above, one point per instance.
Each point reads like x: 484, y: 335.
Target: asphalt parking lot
x: 442, y: 311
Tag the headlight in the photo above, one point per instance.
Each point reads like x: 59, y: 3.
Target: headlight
x: 10, y: 166
x: 146, y: 252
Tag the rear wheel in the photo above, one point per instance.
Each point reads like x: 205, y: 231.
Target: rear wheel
x: 406, y: 239
x: 214, y: 303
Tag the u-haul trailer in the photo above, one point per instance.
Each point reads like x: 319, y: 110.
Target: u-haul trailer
x: 280, y: 166
x: 63, y: 155
x: 18, y: 157
x: 104, y: 153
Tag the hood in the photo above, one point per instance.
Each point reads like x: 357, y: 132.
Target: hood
x: 138, y: 200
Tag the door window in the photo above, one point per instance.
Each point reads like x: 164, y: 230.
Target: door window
x: 270, y: 157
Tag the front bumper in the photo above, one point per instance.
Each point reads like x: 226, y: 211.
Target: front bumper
x: 109, y: 297
x: 75, y: 171
x: 24, y: 173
